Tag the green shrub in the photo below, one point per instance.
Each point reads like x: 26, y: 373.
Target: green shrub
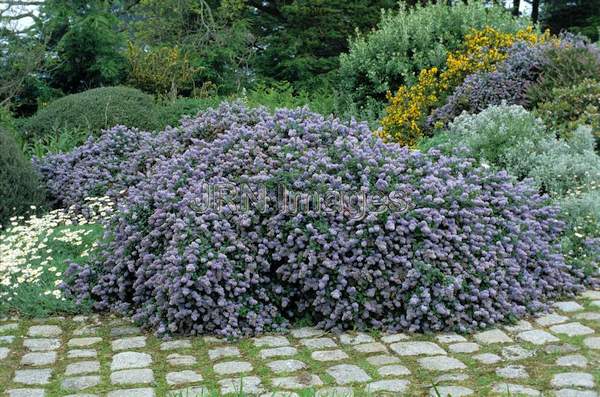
x: 171, y: 112
x: 565, y: 67
x: 513, y: 139
x: 410, y: 40
x: 20, y: 187
x: 570, y: 107
x: 94, y: 110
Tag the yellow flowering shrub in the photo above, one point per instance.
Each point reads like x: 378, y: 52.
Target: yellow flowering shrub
x: 164, y: 71
x: 483, y: 49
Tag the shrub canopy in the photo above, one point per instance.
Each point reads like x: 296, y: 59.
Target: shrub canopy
x: 94, y: 110
x: 455, y: 247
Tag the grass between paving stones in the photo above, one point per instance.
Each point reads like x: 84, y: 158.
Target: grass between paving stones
x: 541, y: 367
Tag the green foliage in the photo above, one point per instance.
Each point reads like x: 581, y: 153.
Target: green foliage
x: 300, y: 40
x: 283, y: 95
x: 94, y: 110
x: 410, y: 40
x: 20, y: 187
x: 580, y: 16
x: 566, y: 66
x: 171, y: 112
x: 570, y: 107
x: 89, y: 54
x: 513, y: 139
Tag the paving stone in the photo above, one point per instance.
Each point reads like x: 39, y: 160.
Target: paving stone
x: 492, y: 336
x: 513, y: 389
x: 417, y: 348
x: 568, y: 306
x: 355, y: 339
x: 329, y: 355
x: 575, y: 393
x: 176, y: 359
x: 487, y: 358
x: 83, y: 367
x: 297, y: 382
x: 391, y: 385
x: 519, y: 326
x: 450, y: 391
x: 225, y: 351
x: 450, y: 338
x: 7, y: 339
x: 382, y: 359
x: 142, y: 392
x: 441, y: 363
x: 280, y: 394
x: 249, y: 384
x: 43, y: 344
x: 33, y: 376
x: 78, y: 383
x: 464, y: 347
x: 393, y: 370
x: 4, y: 353
x: 592, y: 342
x: 573, y: 360
x: 551, y: 319
x: 306, y: 332
x: 595, y: 303
x: 271, y: 341
x: 183, y: 377
x: 338, y: 391
x: 393, y: 338
x: 345, y: 374
x: 83, y: 342
x: 124, y: 331
x: 537, y: 337
x: 318, y: 343
x: 516, y: 353
x: 86, y: 330
x: 573, y: 379
x: 512, y: 372
x: 39, y: 359
x: 194, y: 391
x: 281, y: 366
x: 278, y: 352
x: 451, y: 378
x: 132, y: 377
x: 82, y: 395
x: 130, y: 360
x: 591, y: 294
x: 8, y: 328
x: 82, y: 353
x: 368, y: 348
x: 571, y: 329
x: 44, y: 331
x: 587, y: 316
x: 26, y: 393
x: 80, y: 319
x: 211, y: 340
x: 563, y: 348
x: 232, y: 367
x: 176, y: 344
x: 134, y: 342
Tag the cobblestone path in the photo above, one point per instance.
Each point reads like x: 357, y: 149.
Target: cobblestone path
x: 556, y: 354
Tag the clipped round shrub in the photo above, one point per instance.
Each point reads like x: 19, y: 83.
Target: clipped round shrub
x: 412, y: 39
x: 20, y: 186
x: 441, y: 244
x: 121, y: 157
x: 95, y: 110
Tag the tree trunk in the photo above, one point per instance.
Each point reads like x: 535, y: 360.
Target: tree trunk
x: 535, y: 10
x: 516, y: 6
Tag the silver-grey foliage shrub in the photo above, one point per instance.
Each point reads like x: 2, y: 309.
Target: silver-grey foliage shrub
x: 459, y: 247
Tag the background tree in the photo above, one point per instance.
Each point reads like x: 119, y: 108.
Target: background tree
x: 299, y: 40
x: 582, y: 16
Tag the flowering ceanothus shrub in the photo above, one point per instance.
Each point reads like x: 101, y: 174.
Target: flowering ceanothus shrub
x: 457, y: 247
x: 121, y: 157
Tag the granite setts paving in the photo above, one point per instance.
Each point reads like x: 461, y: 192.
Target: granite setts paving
x: 553, y: 354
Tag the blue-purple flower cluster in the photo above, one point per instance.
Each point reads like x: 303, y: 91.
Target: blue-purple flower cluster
x: 121, y: 157
x: 470, y: 248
